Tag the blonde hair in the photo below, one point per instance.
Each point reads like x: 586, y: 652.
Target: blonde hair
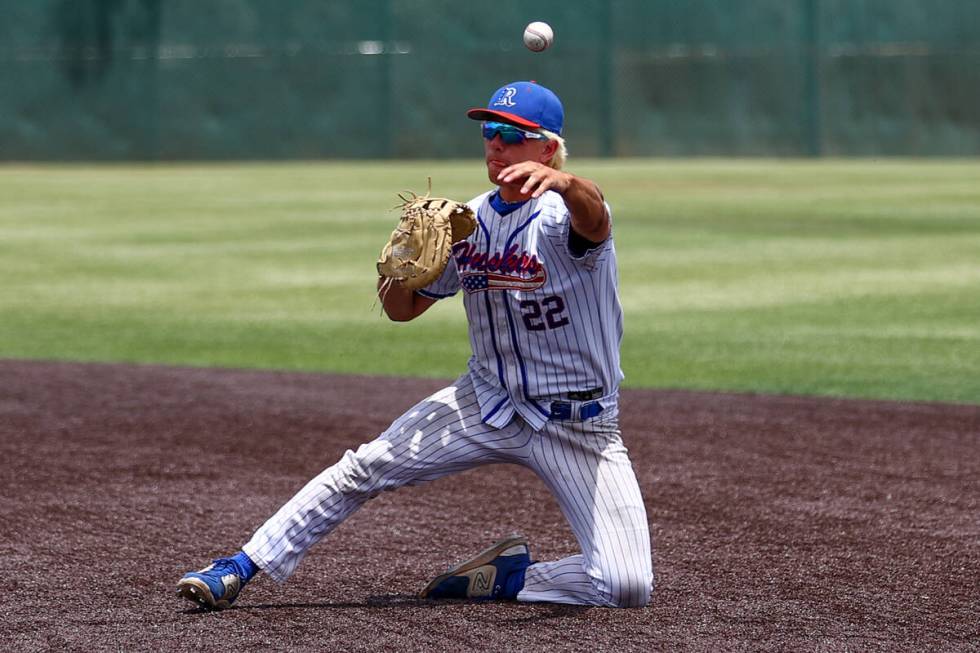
x: 561, y: 153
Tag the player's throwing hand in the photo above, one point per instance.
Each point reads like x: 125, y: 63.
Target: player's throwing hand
x: 537, y: 178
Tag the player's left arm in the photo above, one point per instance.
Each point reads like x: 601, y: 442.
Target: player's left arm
x: 582, y: 196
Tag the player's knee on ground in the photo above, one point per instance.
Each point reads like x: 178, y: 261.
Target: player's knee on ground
x: 626, y: 589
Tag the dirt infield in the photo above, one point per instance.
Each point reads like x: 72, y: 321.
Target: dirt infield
x: 779, y: 523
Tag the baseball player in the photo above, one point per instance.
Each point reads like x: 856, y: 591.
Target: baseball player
x: 539, y: 283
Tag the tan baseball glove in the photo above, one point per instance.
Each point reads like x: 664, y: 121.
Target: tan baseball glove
x: 419, y: 247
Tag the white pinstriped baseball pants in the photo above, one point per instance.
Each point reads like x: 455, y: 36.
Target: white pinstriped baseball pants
x: 584, y: 464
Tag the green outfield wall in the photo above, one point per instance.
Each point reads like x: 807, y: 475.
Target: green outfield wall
x: 274, y: 79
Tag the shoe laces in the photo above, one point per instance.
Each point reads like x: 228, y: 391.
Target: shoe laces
x: 225, y: 565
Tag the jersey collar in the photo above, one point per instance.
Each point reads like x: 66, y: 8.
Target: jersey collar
x: 502, y: 207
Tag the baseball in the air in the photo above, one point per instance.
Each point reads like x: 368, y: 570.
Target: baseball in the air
x: 538, y: 36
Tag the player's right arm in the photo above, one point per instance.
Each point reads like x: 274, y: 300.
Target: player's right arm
x: 401, y: 304
x: 587, y: 209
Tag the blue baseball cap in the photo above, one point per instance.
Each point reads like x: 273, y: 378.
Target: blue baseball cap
x: 525, y: 104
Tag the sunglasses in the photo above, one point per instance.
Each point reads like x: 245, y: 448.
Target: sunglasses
x: 509, y: 134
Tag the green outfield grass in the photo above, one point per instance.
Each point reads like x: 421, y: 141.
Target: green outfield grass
x: 856, y: 278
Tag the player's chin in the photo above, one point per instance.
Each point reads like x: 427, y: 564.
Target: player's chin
x: 493, y: 170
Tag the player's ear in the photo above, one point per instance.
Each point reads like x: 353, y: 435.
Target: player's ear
x: 548, y: 153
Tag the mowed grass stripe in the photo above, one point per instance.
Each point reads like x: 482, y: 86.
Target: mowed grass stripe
x: 857, y: 278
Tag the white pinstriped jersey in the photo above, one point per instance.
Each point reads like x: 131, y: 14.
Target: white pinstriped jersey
x: 543, y: 323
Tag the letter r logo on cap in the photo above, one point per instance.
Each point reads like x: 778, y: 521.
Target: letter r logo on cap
x: 507, y: 99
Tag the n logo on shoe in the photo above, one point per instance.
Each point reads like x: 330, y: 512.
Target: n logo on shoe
x: 481, y: 581
x: 232, y: 585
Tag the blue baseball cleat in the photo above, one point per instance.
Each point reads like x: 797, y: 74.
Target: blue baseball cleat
x: 213, y: 588
x: 494, y: 573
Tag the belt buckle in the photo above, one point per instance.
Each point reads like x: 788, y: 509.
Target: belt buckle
x: 562, y: 410
x: 589, y: 410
